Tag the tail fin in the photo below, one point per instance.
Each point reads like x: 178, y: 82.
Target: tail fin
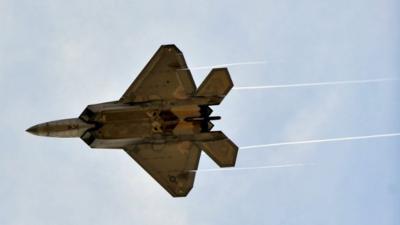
x: 216, y: 86
x: 222, y: 150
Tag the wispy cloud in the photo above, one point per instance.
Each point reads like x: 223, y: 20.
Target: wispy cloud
x: 321, y: 141
x: 255, y: 167
x: 379, y: 80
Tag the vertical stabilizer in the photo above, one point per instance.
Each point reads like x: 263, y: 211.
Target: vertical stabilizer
x: 216, y: 86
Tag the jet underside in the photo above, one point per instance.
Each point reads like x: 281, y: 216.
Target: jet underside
x: 162, y: 121
x: 117, y: 125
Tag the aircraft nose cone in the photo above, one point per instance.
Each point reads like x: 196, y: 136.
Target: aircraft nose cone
x: 33, y: 130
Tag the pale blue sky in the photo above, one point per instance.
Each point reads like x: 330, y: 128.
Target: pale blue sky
x: 56, y: 57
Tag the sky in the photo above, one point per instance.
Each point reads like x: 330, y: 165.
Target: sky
x: 56, y: 57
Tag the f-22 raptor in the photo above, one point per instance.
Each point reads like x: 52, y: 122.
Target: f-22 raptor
x: 162, y: 121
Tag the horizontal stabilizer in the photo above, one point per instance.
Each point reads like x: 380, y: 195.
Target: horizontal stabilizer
x: 222, y: 150
x: 216, y: 86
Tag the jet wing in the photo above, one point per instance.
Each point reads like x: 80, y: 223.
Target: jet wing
x: 170, y: 164
x: 165, y: 77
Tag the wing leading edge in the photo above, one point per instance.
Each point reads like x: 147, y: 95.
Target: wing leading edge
x: 165, y: 77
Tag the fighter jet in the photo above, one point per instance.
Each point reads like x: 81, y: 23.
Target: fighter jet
x: 162, y: 121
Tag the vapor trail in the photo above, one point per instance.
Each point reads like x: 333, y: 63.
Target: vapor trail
x: 321, y: 141
x: 254, y: 168
x: 230, y: 64
x: 317, y: 84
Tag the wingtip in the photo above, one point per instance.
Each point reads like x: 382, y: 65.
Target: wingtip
x: 170, y: 47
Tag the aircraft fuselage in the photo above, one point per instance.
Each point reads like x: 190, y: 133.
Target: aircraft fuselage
x: 115, y: 124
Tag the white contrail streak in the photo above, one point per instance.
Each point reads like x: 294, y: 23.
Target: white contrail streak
x: 317, y: 84
x: 230, y: 64
x: 254, y: 168
x: 321, y: 141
